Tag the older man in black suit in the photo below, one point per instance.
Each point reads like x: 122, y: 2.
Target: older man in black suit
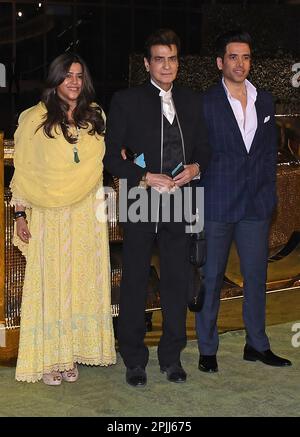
x: 163, y: 124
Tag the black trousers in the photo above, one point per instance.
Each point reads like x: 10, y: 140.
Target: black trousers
x: 137, y: 251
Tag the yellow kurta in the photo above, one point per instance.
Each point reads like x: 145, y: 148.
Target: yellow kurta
x: 65, y: 313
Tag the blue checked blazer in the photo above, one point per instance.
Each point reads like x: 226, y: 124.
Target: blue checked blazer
x: 234, y: 177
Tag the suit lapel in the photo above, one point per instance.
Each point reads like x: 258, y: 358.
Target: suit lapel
x: 180, y: 102
x: 232, y: 123
x: 260, y: 122
x: 151, y: 104
x: 230, y: 119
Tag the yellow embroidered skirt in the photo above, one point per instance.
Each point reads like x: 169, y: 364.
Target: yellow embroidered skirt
x: 66, y: 312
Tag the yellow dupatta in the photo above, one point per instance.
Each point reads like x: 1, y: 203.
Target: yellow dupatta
x: 45, y: 172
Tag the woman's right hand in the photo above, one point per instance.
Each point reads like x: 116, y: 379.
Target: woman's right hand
x: 22, y: 230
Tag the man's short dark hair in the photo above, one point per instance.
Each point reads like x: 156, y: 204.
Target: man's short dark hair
x: 238, y: 35
x: 164, y: 37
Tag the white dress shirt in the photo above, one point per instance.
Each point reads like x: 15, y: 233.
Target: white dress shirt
x: 168, y: 106
x: 247, y: 122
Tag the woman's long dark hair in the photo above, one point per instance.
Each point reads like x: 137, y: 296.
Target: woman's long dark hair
x: 57, y: 108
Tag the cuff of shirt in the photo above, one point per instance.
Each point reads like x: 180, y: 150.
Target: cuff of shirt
x: 198, y: 176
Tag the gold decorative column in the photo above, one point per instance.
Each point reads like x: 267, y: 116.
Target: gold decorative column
x: 2, y: 241
x: 10, y: 269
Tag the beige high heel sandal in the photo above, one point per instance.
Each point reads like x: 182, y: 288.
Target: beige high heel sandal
x: 70, y: 375
x: 53, y: 378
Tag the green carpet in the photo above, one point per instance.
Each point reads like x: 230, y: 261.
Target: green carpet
x: 239, y: 389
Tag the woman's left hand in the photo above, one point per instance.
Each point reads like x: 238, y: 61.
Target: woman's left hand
x: 22, y: 230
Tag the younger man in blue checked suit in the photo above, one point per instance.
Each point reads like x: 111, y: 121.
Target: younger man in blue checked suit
x: 240, y: 195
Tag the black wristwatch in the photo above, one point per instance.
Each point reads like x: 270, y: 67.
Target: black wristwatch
x: 18, y: 214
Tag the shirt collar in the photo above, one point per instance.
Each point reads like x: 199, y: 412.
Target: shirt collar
x: 251, y: 90
x: 162, y: 93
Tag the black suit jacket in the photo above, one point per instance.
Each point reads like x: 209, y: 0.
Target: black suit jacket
x: 134, y: 121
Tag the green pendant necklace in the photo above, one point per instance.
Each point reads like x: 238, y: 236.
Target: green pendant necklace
x: 75, y: 148
x: 75, y: 145
x: 76, y: 157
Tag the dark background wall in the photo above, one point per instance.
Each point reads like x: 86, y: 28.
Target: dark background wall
x: 106, y: 32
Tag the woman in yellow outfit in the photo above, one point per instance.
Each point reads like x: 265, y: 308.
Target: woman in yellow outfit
x: 59, y: 147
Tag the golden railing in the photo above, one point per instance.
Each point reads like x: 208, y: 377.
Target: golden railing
x: 11, y: 269
x: 2, y: 232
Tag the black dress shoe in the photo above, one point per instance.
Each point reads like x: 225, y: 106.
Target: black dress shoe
x: 136, y: 376
x: 266, y: 357
x: 175, y: 373
x: 208, y: 363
